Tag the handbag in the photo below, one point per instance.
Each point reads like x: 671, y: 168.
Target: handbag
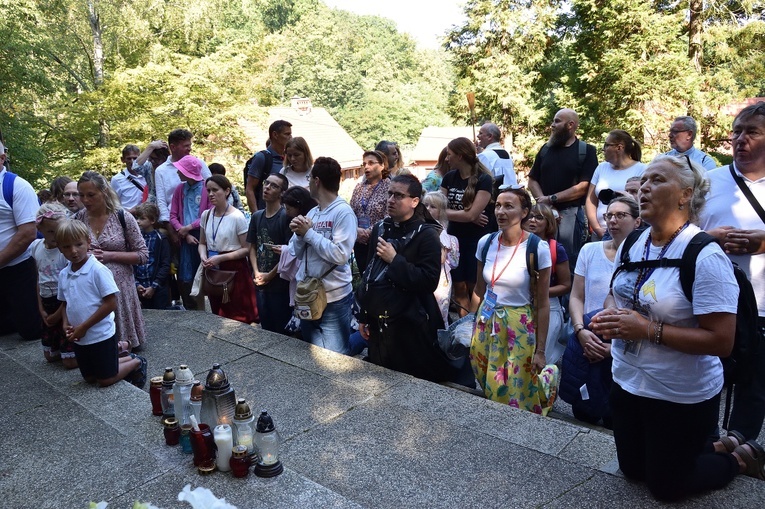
x: 310, y: 295
x: 218, y: 283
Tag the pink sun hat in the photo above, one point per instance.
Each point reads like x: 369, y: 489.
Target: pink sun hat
x: 190, y: 166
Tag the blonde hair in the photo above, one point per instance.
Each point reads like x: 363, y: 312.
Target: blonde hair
x: 52, y: 210
x: 71, y: 230
x: 439, y: 201
x: 111, y: 201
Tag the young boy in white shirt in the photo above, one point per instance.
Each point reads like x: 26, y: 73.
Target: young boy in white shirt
x: 89, y: 295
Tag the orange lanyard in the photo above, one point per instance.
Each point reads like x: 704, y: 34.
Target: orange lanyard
x: 494, y: 268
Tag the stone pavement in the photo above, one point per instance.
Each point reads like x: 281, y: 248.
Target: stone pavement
x: 355, y: 435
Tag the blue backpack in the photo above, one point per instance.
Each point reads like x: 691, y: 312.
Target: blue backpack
x: 8, y: 188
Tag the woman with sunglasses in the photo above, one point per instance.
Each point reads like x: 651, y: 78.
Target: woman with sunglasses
x: 541, y: 221
x: 512, y: 311
x: 587, y: 357
x: 622, y: 155
x: 665, y: 399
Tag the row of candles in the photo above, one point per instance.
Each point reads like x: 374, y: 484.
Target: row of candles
x: 189, y: 410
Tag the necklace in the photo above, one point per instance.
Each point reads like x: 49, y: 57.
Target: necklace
x: 644, y: 273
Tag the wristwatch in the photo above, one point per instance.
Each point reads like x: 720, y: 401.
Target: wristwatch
x: 553, y: 198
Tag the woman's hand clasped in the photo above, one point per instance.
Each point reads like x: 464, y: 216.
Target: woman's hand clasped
x: 613, y: 323
x: 300, y: 225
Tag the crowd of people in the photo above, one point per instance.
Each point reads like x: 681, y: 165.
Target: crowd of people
x: 539, y: 270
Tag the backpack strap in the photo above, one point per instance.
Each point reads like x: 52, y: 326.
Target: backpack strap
x: 553, y: 253
x: 748, y: 193
x: 121, y: 217
x: 582, y: 152
x: 688, y: 262
x: 8, y: 181
x: 532, y: 256
x: 485, y: 250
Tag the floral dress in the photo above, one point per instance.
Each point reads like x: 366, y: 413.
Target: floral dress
x: 128, y: 316
x: 369, y: 203
x: 503, y: 345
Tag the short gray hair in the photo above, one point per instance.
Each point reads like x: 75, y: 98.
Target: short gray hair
x: 690, y: 124
x: 493, y: 130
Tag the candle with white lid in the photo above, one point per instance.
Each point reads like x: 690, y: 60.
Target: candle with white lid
x: 224, y: 441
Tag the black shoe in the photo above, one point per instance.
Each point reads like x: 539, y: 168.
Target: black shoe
x: 138, y: 376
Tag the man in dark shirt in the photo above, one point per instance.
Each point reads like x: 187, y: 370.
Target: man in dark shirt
x: 279, y: 133
x: 269, y: 232
x: 560, y: 177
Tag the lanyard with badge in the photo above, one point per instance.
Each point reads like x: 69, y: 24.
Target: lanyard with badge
x: 490, y: 301
x: 364, y: 220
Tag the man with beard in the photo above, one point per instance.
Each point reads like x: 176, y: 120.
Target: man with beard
x: 560, y: 177
x: 399, y: 314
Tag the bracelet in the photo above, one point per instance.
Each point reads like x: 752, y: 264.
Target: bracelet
x: 578, y: 327
x: 658, y: 333
x: 648, y: 330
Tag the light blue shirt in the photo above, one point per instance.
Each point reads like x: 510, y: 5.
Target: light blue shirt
x: 697, y: 156
x: 192, y: 197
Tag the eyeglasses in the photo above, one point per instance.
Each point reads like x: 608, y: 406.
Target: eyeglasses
x: 536, y: 217
x: 618, y: 215
x: 398, y: 196
x: 513, y: 187
x: 266, y: 183
x: 606, y: 145
x: 308, y: 176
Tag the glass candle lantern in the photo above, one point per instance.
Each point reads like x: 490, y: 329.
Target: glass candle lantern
x: 218, y: 398
x: 196, y: 400
x: 184, y: 380
x: 267, y: 440
x: 168, y: 380
x: 186, y: 439
x: 243, y: 422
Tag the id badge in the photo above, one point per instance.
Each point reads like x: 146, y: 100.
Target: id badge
x: 364, y: 221
x: 489, y: 303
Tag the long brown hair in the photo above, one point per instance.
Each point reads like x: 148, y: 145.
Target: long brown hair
x: 464, y: 148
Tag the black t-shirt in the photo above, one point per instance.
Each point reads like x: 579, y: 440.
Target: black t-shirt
x: 559, y: 170
x: 269, y: 230
x: 455, y: 187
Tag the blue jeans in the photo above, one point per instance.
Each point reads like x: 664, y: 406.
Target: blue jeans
x: 274, y: 310
x: 333, y: 329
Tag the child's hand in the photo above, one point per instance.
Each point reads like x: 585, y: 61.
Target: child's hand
x: 140, y: 289
x: 75, y: 334
x: 148, y: 293
x: 277, y: 249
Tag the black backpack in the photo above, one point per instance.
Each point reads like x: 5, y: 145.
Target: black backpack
x: 738, y: 367
x: 269, y: 163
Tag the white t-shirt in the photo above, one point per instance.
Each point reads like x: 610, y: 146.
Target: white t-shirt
x: 498, y: 166
x: 127, y: 192
x: 596, y: 269
x: 50, y: 263
x: 512, y: 287
x: 727, y: 206
x: 295, y: 179
x: 222, y: 233
x: 24, y: 210
x: 83, y: 291
x: 166, y: 179
x: 606, y: 177
x: 657, y: 371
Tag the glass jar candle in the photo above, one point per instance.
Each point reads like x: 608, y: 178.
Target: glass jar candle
x: 155, y: 394
x: 240, y: 461
x: 186, y: 439
x: 172, y: 431
x: 203, y: 445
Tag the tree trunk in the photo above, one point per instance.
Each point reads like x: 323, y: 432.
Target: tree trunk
x: 695, y: 30
x: 98, y: 66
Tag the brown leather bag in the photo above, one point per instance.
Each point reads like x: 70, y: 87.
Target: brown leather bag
x: 218, y: 283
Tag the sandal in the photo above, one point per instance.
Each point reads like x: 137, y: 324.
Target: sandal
x: 729, y: 445
x: 755, y: 460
